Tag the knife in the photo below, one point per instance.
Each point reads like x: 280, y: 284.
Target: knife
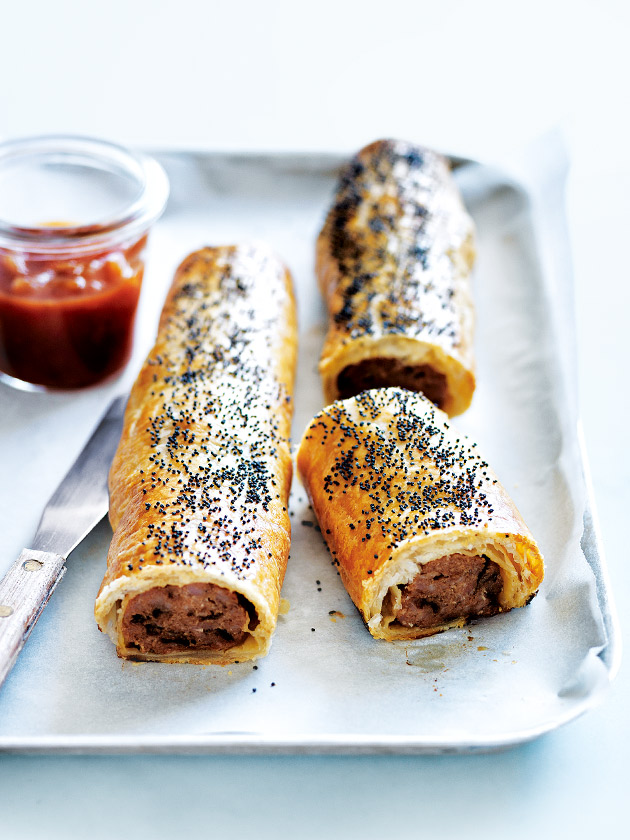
x: 76, y: 506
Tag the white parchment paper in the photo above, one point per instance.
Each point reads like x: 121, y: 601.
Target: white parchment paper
x: 327, y: 685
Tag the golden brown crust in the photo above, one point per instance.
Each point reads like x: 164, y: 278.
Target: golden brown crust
x: 393, y: 263
x: 200, y: 482
x: 395, y: 487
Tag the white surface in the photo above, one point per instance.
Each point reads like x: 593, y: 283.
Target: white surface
x: 479, y: 78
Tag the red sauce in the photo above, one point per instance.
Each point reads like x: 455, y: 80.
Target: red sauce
x: 68, y: 323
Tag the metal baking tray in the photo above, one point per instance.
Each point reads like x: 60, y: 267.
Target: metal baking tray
x: 326, y: 685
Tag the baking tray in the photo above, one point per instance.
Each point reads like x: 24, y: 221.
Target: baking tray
x: 326, y: 685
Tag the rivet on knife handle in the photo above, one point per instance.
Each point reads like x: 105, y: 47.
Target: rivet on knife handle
x: 24, y: 592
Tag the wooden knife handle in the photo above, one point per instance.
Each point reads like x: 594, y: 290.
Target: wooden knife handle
x: 24, y: 592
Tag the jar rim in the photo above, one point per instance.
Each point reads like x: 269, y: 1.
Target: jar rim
x: 151, y: 190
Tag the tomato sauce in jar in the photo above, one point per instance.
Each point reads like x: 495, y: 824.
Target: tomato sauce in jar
x: 69, y: 291
x: 69, y: 323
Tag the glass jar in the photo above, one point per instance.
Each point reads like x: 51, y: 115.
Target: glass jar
x: 75, y: 214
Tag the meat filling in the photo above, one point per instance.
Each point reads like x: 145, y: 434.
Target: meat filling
x: 452, y: 587
x: 198, y: 616
x: 389, y: 373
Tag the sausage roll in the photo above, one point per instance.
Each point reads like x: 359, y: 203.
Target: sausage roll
x: 200, y: 481
x: 424, y: 535
x: 393, y: 263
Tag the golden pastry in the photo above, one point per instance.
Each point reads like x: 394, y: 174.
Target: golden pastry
x: 393, y: 263
x: 425, y: 536
x: 200, y: 482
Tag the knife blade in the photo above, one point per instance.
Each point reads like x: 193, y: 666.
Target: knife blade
x: 75, y: 508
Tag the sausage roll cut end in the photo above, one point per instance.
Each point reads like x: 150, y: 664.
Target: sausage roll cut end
x: 394, y: 260
x: 425, y: 536
x: 200, y: 482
